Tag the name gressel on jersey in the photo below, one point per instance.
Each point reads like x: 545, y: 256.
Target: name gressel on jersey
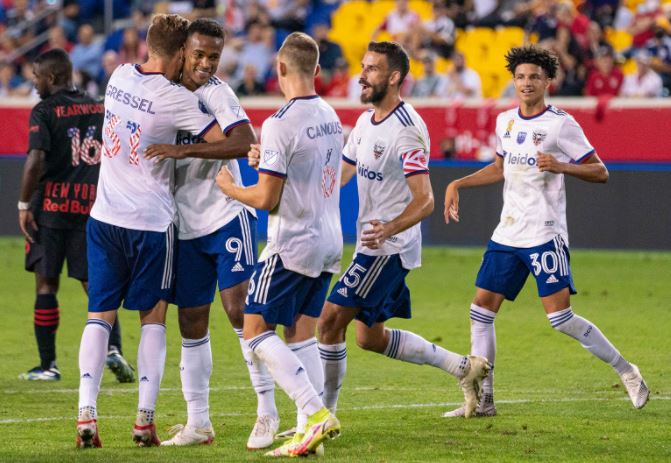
x: 301, y: 143
x: 201, y: 205
x: 385, y: 153
x: 142, y: 109
x: 534, y: 202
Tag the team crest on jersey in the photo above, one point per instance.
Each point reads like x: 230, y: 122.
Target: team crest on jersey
x: 509, y: 128
x: 521, y: 136
x: 538, y: 136
x: 378, y: 149
x: 270, y: 156
x: 203, y: 108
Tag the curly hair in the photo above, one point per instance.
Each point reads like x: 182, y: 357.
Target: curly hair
x: 532, y: 55
x: 206, y: 26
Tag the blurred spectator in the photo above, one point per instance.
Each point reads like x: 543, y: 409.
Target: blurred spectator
x: 70, y: 18
x: 595, y: 42
x: 329, y: 52
x: 398, y: 23
x: 9, y: 81
x: 605, y: 79
x: 86, y: 54
x: 249, y: 86
x: 83, y: 81
x: 644, y: 82
x: 432, y: 84
x: 138, y: 21
x: 133, y: 49
x: 508, y: 13
x: 203, y: 9
x: 483, y: 9
x: 572, y: 22
x: 255, y: 51
x: 544, y: 22
x: 642, y: 27
x: 26, y: 88
x: 602, y: 11
x: 110, y: 61
x: 340, y: 80
x: 439, y: 33
x: 57, y: 39
x: 659, y: 48
x: 462, y: 82
x: 289, y: 15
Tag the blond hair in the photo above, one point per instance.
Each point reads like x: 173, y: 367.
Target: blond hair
x: 301, y: 53
x: 166, y: 34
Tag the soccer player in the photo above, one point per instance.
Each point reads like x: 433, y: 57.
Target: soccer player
x: 217, y: 241
x: 130, y: 232
x: 388, y: 149
x: 60, y: 176
x: 537, y: 145
x: 298, y: 182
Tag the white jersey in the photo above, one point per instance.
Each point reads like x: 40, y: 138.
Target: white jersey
x: 302, y: 143
x: 142, y: 109
x: 534, y: 202
x: 385, y: 153
x: 201, y: 205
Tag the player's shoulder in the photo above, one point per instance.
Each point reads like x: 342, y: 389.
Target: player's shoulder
x: 554, y: 111
x: 216, y: 86
x: 407, y: 116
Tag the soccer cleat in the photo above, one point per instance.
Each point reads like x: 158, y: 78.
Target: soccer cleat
x: 188, y: 435
x: 87, y: 432
x: 471, y: 382
x: 288, y: 449
x: 636, y: 388
x: 288, y: 434
x: 144, y: 433
x: 263, y: 434
x: 321, y: 426
x: 485, y: 408
x: 40, y: 374
x: 118, y: 365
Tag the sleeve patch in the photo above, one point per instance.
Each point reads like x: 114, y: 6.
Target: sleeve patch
x: 414, y: 161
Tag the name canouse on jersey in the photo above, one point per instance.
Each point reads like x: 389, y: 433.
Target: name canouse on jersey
x: 135, y: 102
x: 321, y: 130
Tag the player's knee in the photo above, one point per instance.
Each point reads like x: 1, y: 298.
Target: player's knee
x: 370, y: 343
x: 193, y: 323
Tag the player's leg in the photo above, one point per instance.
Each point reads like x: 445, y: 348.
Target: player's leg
x: 45, y: 258
x: 332, y: 328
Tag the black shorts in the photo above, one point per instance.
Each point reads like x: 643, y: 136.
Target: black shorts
x: 52, y: 246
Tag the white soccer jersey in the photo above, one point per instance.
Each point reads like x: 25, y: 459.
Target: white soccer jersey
x: 201, y: 205
x: 142, y: 109
x: 534, y: 202
x: 302, y: 143
x: 385, y: 153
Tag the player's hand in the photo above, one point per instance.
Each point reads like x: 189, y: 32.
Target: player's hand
x: 254, y: 156
x: 375, y: 236
x: 161, y: 152
x: 451, y: 210
x: 225, y: 180
x: 27, y: 225
x: 547, y: 163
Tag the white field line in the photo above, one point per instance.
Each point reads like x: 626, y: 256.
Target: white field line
x: 355, y: 409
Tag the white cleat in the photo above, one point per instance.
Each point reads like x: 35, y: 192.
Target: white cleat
x: 485, y: 408
x: 636, y: 388
x: 471, y: 382
x: 284, y: 435
x: 263, y: 434
x: 188, y: 435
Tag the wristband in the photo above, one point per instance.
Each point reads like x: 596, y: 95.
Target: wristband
x: 23, y: 205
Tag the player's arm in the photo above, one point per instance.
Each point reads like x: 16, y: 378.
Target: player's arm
x: 591, y: 169
x: 32, y: 170
x: 347, y: 171
x: 264, y: 195
x: 234, y: 144
x: 493, y: 173
x: 419, y: 207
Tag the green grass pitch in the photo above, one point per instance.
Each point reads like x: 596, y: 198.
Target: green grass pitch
x: 555, y: 401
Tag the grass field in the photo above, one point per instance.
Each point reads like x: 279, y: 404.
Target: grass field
x: 555, y: 401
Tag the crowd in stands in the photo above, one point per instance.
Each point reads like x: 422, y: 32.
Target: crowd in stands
x: 605, y: 47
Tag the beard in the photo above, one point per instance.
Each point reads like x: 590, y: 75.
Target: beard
x: 377, y: 94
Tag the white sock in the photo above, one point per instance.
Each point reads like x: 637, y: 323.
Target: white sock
x: 483, y: 341
x: 261, y: 379
x: 287, y: 371
x: 590, y: 337
x: 407, y: 346
x: 150, y: 364
x: 334, y: 362
x: 308, y: 354
x: 92, y: 354
x: 195, y: 369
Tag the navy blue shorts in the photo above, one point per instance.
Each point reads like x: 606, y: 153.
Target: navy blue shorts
x: 504, y: 269
x: 280, y: 295
x: 133, y: 266
x: 376, y: 286
x: 225, y: 257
